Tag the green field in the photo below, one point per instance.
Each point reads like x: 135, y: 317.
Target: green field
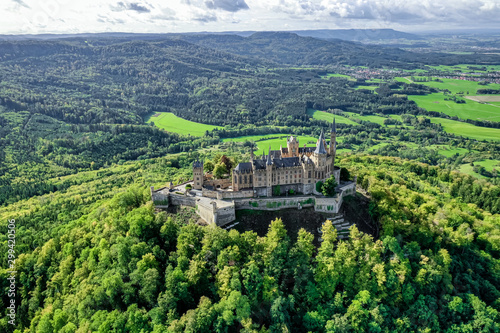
x: 469, y: 110
x: 372, y: 118
x: 448, y: 151
x: 489, y: 165
x: 329, y: 75
x: 322, y: 115
x: 455, y: 86
x: 275, y: 140
x: 171, y: 123
x: 366, y: 87
x: 464, y: 68
x: 468, y: 130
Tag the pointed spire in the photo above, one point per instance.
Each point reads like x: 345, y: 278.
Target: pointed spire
x: 320, y: 146
x: 269, y: 162
x: 334, y: 128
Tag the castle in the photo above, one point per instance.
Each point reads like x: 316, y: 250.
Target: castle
x: 291, y: 169
x: 263, y: 183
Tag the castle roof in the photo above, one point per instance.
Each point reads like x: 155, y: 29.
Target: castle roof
x: 243, y: 167
x: 286, y: 162
x: 269, y: 161
x: 197, y: 164
x: 306, y: 149
x: 320, y: 146
x: 334, y: 128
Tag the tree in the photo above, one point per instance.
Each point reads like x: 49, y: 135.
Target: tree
x: 208, y: 166
x: 220, y: 170
x: 344, y: 174
x: 328, y: 188
x: 277, y: 190
x: 226, y: 161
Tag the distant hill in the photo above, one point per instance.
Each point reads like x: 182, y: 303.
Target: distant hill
x: 344, y: 34
x: 289, y: 48
x: 357, y: 34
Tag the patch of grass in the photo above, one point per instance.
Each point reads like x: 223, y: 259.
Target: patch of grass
x: 171, y: 123
x: 274, y: 140
x: 464, y: 68
x: 468, y: 130
x: 322, y: 115
x: 372, y: 118
x: 469, y: 110
x: 366, y: 87
x: 329, y: 75
x: 489, y: 165
x: 455, y: 86
x: 448, y: 151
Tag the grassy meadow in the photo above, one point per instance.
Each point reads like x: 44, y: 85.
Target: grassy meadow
x: 468, y: 130
x: 274, y: 140
x: 489, y: 165
x: 322, y: 115
x: 171, y: 123
x: 469, y: 110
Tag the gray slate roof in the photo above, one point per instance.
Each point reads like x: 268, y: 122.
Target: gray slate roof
x: 320, y: 146
x: 197, y: 164
x: 243, y: 167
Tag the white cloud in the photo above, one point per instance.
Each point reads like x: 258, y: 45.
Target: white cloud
x: 40, y: 16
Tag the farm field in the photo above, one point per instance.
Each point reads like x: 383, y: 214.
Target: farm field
x: 455, y: 86
x: 489, y: 165
x: 448, y: 151
x: 372, y: 118
x: 366, y: 87
x: 322, y: 115
x: 329, y: 75
x: 468, y: 130
x: 469, y: 110
x: 485, y: 98
x: 171, y: 123
x: 464, y: 68
x: 274, y: 140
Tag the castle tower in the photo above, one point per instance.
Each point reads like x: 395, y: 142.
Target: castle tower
x: 269, y: 173
x: 319, y: 158
x: 293, y: 146
x: 197, y: 175
x: 333, y: 143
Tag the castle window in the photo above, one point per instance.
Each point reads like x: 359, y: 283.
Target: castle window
x: 245, y: 179
x: 240, y: 179
x: 197, y: 178
x: 250, y: 178
x: 309, y: 174
x: 235, y: 179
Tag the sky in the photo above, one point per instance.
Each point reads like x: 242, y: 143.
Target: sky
x: 154, y: 16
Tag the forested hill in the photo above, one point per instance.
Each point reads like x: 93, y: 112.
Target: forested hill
x: 291, y: 49
x: 96, y: 257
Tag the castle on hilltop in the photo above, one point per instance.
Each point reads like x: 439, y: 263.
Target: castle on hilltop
x: 290, y: 168
x: 284, y: 178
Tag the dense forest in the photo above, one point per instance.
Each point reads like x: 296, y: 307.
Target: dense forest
x: 97, y: 257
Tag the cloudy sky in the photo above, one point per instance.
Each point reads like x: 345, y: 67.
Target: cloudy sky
x: 73, y: 16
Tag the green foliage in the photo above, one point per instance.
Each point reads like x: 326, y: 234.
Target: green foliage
x: 277, y: 190
x: 344, y: 174
x: 220, y: 170
x: 328, y: 187
x: 319, y: 186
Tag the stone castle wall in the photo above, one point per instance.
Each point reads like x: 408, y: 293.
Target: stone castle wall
x: 216, y: 211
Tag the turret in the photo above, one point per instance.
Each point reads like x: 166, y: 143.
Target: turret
x: 293, y: 146
x: 197, y: 175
